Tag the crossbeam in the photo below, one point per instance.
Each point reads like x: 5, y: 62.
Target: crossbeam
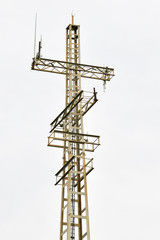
x: 57, y: 138
x: 61, y: 67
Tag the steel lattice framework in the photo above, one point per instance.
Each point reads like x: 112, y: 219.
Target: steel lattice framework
x: 61, y: 67
x: 67, y: 132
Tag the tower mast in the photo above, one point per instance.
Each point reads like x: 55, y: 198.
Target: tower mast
x: 67, y: 132
x: 74, y: 124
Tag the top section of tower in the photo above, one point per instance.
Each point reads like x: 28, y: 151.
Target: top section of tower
x: 62, y: 67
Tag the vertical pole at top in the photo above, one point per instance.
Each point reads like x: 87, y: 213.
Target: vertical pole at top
x: 72, y: 19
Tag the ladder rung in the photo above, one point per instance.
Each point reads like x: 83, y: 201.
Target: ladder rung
x: 74, y: 85
x: 75, y: 48
x: 77, y: 51
x: 78, y: 216
x: 72, y: 224
x: 74, y: 113
x: 74, y: 58
x: 76, y: 127
x: 73, y: 200
x: 78, y: 172
x: 71, y: 179
x: 79, y: 193
x: 75, y: 91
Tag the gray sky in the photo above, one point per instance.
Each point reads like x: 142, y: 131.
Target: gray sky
x: 124, y: 191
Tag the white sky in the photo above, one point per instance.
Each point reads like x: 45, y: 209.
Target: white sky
x: 124, y: 188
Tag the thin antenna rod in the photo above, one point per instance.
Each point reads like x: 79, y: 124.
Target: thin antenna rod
x: 35, y: 35
x: 72, y: 18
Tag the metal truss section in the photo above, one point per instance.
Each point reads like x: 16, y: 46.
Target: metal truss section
x: 75, y: 170
x: 66, y: 111
x: 88, y: 100
x: 61, y: 67
x: 89, y: 142
x: 63, y: 172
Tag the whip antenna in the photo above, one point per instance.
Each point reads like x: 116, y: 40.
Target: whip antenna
x: 35, y: 35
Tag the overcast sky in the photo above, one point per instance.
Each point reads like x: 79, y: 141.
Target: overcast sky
x: 124, y: 188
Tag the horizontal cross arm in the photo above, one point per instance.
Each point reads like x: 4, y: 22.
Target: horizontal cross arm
x: 61, y: 67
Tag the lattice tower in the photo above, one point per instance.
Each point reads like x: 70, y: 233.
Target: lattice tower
x: 67, y: 133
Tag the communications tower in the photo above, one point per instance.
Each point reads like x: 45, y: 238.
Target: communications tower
x: 67, y: 133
